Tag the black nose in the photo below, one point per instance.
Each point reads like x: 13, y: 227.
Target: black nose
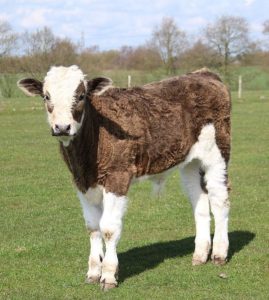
x: 61, y: 130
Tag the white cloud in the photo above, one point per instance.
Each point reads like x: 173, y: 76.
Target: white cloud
x: 196, y: 21
x: 256, y: 27
x: 4, y: 17
x: 111, y: 23
x: 67, y: 30
x: 249, y: 2
x: 34, y: 18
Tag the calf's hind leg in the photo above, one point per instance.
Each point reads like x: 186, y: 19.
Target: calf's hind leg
x: 216, y: 184
x: 191, y: 180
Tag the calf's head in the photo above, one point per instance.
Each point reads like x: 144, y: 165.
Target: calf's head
x: 64, y: 91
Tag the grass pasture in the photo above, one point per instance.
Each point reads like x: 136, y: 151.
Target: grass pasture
x: 44, y: 246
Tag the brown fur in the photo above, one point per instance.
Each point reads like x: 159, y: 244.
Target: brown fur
x: 145, y: 130
x: 49, y: 106
x: 78, y: 107
x: 107, y: 235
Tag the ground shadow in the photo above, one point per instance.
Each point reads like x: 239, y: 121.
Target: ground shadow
x: 238, y: 240
x: 140, y: 259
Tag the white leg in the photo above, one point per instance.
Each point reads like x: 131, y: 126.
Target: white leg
x: 111, y: 227
x: 191, y: 180
x: 214, y: 166
x: 218, y: 196
x: 91, y: 203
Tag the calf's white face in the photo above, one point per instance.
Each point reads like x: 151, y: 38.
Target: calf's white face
x: 64, y: 92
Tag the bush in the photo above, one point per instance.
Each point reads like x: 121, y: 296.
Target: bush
x: 8, y: 86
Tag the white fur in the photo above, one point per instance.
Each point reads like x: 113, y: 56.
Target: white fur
x: 110, y: 86
x: 103, y: 213
x: 200, y: 204
x: 111, y: 226
x: 61, y: 84
x: 205, y: 148
x: 92, y: 205
x: 208, y: 156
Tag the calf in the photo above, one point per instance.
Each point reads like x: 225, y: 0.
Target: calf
x: 110, y: 136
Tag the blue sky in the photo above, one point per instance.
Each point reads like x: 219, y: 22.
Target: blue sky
x: 113, y: 23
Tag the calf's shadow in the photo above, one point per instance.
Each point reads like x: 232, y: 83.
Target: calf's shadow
x: 140, y: 259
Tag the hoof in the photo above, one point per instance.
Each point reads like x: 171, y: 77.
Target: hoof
x: 197, y: 262
x: 199, y: 259
x: 92, y: 279
x: 105, y: 286
x: 219, y: 261
x: 200, y: 255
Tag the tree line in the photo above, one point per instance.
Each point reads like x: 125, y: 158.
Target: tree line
x: 221, y: 44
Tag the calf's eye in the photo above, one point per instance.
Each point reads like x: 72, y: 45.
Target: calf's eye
x: 81, y: 97
x: 46, y: 98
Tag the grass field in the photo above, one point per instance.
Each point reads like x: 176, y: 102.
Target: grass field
x: 44, y: 246
x: 253, y: 77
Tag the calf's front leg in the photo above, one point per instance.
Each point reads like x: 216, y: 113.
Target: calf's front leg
x: 114, y: 208
x: 92, y: 206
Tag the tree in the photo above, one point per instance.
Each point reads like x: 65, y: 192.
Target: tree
x: 8, y: 39
x: 64, y: 52
x: 169, y: 41
x: 144, y: 58
x: 266, y: 32
x: 229, y: 36
x: 266, y: 27
x: 125, y: 55
x: 200, y: 55
x: 37, y: 47
x: 41, y: 41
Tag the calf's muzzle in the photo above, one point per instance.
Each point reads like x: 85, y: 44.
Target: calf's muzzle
x: 61, y: 130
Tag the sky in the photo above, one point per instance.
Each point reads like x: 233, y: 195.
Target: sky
x: 111, y: 24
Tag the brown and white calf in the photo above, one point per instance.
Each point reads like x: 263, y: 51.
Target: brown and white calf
x: 109, y: 137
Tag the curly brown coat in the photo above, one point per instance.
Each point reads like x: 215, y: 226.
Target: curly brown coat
x: 132, y: 132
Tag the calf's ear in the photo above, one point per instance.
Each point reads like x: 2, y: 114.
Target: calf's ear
x: 31, y: 87
x: 98, y: 85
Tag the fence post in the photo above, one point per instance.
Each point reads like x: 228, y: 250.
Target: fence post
x: 129, y: 81
x: 239, y: 87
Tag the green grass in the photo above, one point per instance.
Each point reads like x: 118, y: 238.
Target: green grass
x: 253, y: 78
x: 44, y: 245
